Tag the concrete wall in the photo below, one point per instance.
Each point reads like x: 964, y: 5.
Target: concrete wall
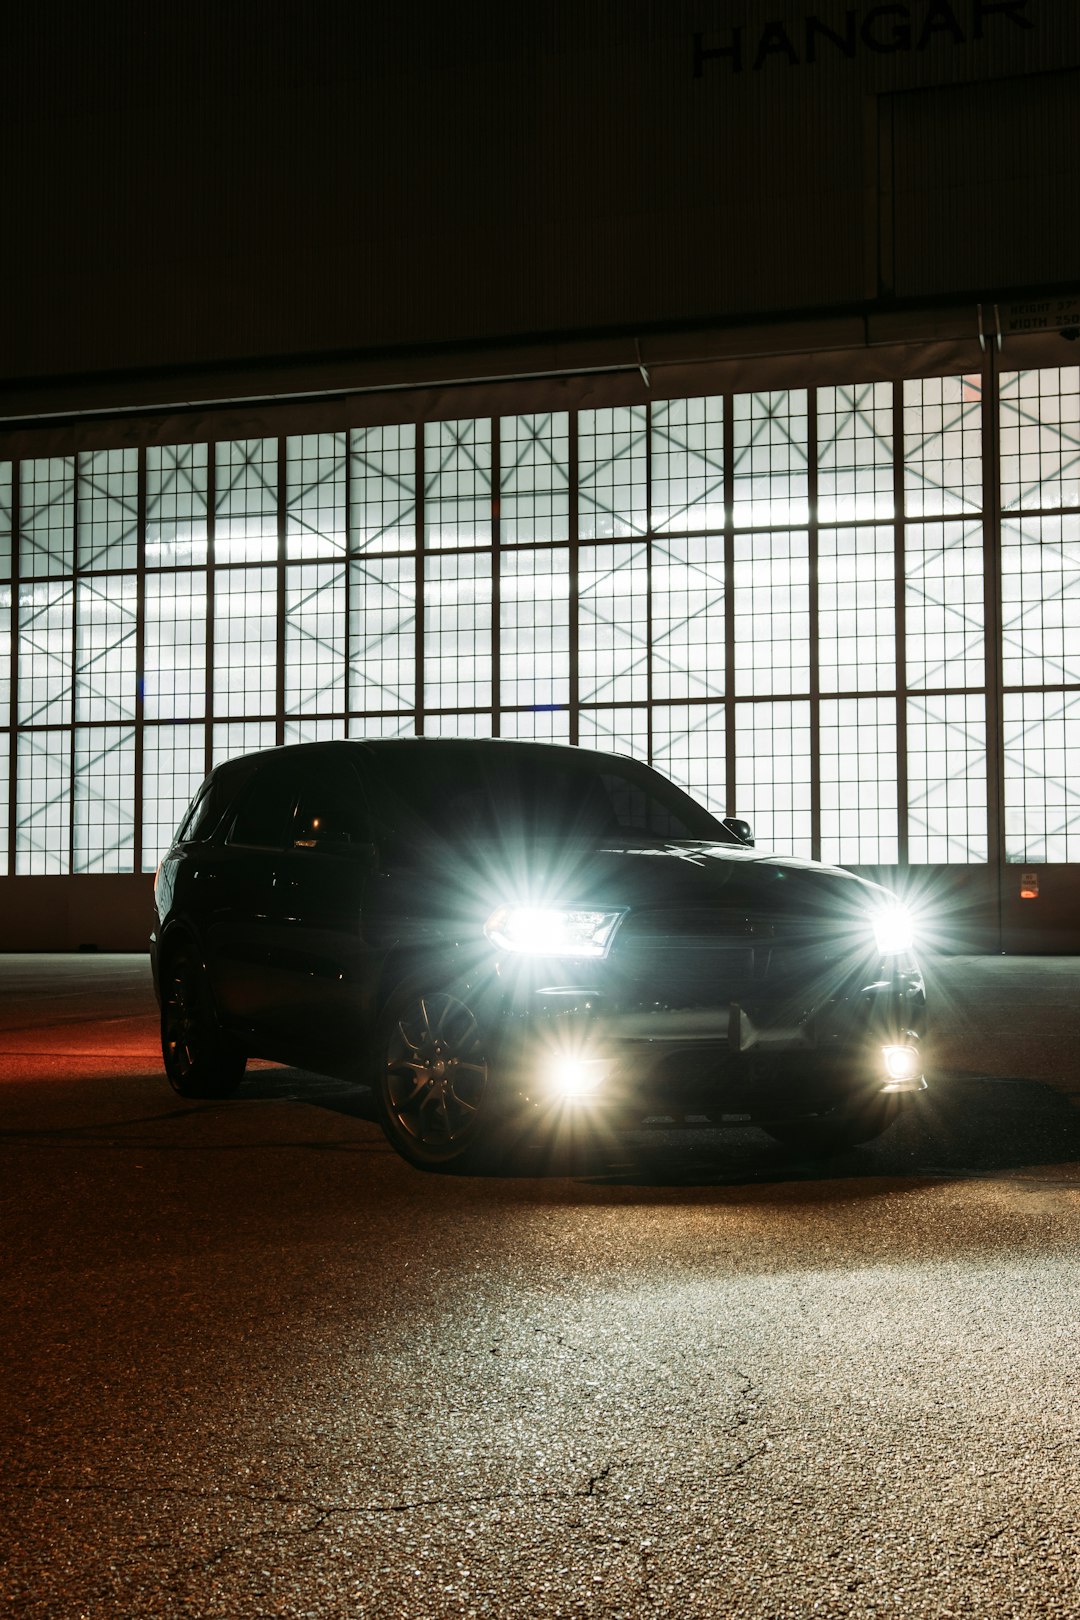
x: 965, y: 909
x: 107, y: 912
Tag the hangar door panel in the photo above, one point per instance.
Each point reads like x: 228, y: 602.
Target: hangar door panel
x: 849, y: 614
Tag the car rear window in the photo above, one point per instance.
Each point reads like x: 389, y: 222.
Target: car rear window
x: 209, y: 806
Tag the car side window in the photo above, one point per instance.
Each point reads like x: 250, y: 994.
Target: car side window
x: 331, y: 815
x: 212, y: 802
x: 264, y: 814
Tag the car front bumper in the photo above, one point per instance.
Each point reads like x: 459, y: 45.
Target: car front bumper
x: 567, y: 1046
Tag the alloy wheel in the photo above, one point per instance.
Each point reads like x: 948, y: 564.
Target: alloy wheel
x: 436, y: 1075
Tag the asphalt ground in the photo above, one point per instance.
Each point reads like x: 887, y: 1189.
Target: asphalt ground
x: 253, y: 1364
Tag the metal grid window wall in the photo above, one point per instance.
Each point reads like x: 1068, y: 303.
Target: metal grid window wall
x: 850, y: 614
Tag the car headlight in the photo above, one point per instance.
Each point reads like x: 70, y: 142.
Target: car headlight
x: 894, y: 929
x: 552, y: 933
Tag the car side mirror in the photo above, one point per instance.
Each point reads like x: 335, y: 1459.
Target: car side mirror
x: 742, y: 830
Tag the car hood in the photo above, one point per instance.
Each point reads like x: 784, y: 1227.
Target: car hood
x: 653, y: 878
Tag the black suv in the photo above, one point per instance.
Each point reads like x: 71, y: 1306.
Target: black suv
x: 500, y: 935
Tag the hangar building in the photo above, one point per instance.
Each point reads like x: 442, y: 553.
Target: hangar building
x: 694, y: 379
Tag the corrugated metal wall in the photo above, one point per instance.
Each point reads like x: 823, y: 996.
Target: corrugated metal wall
x: 985, y: 177
x: 186, y: 187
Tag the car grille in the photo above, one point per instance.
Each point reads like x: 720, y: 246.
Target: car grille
x: 709, y: 958
x: 692, y: 958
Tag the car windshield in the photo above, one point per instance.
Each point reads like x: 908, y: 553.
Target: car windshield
x: 465, y: 793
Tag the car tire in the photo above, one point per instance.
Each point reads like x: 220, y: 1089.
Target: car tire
x: 436, y: 1099
x: 200, y: 1061
x: 846, y: 1126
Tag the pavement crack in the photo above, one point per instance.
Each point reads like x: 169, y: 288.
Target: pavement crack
x: 988, y: 1540
x: 745, y: 1410
x: 744, y: 1462
x: 324, y: 1514
x: 595, y: 1480
x: 744, y: 1405
x: 455, y: 1501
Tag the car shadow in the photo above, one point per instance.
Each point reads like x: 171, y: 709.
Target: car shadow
x: 968, y: 1126
x: 274, y: 1083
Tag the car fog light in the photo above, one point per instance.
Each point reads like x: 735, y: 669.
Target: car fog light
x: 901, y: 1062
x: 576, y: 1077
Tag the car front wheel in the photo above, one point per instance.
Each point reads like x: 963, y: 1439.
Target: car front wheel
x: 199, y: 1060
x: 435, y: 1091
